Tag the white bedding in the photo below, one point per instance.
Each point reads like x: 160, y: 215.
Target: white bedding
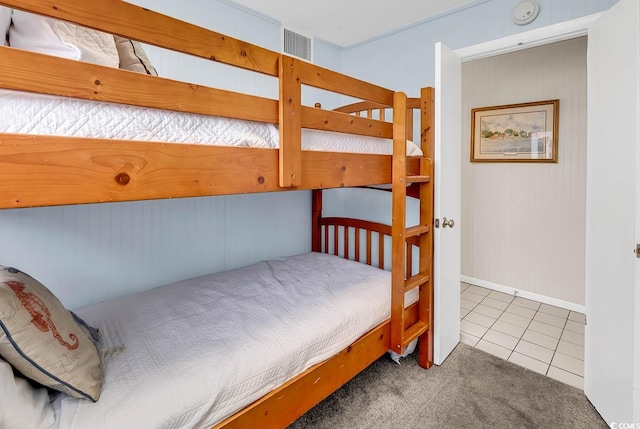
x: 31, y: 113
x: 190, y: 354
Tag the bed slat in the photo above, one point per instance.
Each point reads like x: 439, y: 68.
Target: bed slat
x: 334, y: 121
x: 333, y: 244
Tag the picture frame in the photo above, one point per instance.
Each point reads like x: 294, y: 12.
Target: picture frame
x: 525, y: 132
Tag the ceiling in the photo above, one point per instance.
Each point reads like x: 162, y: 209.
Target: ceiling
x: 347, y: 22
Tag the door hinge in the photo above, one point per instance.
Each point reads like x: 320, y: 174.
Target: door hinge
x: 637, y: 250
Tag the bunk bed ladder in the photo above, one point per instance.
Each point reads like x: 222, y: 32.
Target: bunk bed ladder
x: 415, y: 322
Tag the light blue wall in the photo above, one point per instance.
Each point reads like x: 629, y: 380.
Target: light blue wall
x: 404, y: 60
x: 91, y: 253
x: 231, y: 19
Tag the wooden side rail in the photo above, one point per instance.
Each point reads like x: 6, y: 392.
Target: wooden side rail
x: 30, y: 71
x: 138, y: 23
x: 131, y: 21
x: 65, y: 78
x: 45, y: 171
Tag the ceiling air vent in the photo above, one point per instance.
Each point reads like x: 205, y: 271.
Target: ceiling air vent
x: 297, y: 45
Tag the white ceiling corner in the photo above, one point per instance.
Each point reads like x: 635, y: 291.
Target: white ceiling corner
x: 348, y: 22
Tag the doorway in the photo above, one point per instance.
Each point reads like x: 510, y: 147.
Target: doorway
x: 522, y: 221
x: 612, y: 288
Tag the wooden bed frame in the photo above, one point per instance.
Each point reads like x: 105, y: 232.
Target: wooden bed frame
x: 50, y: 170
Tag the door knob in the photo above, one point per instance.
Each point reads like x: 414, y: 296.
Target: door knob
x: 447, y: 223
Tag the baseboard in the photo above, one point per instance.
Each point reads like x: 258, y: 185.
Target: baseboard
x: 524, y: 294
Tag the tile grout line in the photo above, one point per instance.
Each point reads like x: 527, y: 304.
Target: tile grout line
x: 558, y: 345
x: 525, y: 330
x: 470, y: 311
x: 520, y: 338
x: 489, y: 328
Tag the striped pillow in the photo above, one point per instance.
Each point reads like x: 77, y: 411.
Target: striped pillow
x: 133, y: 57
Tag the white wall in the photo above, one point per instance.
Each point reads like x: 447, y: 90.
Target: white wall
x: 523, y: 224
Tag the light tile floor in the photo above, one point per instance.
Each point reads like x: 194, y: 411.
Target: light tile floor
x: 540, y: 337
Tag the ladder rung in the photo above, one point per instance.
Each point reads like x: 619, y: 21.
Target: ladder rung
x: 414, y: 331
x: 415, y: 281
x: 417, y: 230
x: 418, y: 179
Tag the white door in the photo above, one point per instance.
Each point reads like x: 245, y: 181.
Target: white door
x: 446, y: 263
x: 612, y: 347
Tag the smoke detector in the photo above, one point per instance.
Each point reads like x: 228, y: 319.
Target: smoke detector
x: 525, y: 12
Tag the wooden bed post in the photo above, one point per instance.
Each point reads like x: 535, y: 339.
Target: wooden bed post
x: 290, y: 112
x: 316, y: 214
x: 427, y: 120
x: 427, y: 135
x: 404, y: 331
x: 398, y: 217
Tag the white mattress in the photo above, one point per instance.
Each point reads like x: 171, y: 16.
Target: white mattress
x: 31, y: 113
x: 190, y: 354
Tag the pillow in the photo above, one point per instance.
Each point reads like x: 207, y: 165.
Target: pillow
x: 133, y: 57
x: 5, y: 22
x: 42, y: 340
x: 62, y: 39
x: 22, y: 405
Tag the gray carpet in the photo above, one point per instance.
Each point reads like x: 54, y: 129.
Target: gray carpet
x: 471, y: 389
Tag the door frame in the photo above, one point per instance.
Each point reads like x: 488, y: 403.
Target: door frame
x: 529, y: 39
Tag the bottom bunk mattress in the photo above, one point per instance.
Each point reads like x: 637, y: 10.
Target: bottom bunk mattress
x: 192, y: 353
x: 32, y: 113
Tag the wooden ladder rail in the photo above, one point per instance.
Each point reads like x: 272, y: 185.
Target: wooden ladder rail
x: 403, y: 238
x: 415, y: 321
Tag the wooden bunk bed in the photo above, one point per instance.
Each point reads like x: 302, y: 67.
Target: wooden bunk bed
x: 40, y: 170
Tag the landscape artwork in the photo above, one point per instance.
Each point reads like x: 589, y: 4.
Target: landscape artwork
x: 524, y: 132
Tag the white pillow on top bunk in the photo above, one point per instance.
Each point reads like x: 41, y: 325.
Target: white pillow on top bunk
x: 22, y: 405
x: 44, y: 341
x: 133, y: 57
x: 5, y: 22
x: 49, y: 36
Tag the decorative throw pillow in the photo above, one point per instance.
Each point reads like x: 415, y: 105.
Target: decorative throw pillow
x: 62, y: 39
x: 22, y: 405
x: 133, y: 57
x: 42, y: 340
x: 5, y: 22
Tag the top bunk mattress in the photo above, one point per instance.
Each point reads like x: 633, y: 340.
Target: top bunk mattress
x: 32, y: 113
x: 192, y: 353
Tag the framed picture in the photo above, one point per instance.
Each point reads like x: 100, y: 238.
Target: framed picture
x: 526, y: 132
